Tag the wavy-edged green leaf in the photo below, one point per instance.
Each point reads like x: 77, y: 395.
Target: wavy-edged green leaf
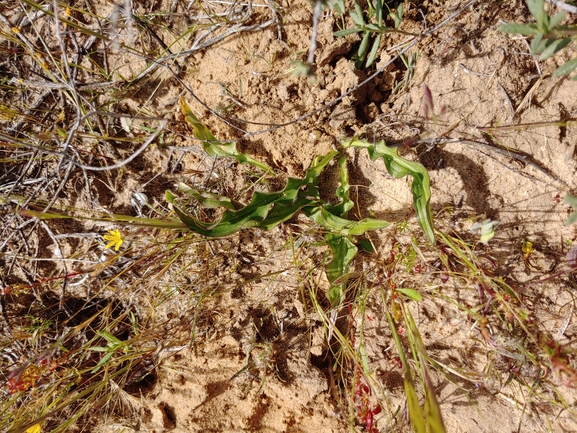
x: 265, y: 210
x: 342, y: 226
x: 398, y: 167
x: 214, y: 147
x: 521, y: 29
x: 346, y: 204
x: 553, y: 47
x: 208, y: 199
x: 566, y: 68
x: 344, y: 251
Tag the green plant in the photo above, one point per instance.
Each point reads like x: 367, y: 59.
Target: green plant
x: 549, y: 37
x: 267, y: 210
x: 371, y: 32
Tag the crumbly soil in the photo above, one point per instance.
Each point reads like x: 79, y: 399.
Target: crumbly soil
x: 259, y: 359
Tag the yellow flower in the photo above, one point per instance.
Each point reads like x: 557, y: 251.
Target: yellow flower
x: 527, y: 248
x: 36, y: 428
x: 115, y: 239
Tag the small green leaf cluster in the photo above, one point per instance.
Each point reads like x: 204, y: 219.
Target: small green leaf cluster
x: 549, y: 37
x: 372, y: 32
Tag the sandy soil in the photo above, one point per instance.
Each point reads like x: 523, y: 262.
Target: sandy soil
x: 260, y: 360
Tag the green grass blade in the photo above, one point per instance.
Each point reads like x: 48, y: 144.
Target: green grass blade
x: 68, y: 22
x: 432, y: 412
x: 415, y: 412
x: 114, y: 218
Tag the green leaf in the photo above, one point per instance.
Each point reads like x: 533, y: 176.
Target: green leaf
x: 208, y: 199
x: 339, y: 6
x: 363, y: 47
x: 556, y: 19
x: 347, y: 32
x: 572, y: 201
x: 398, y: 16
x: 344, y: 251
x: 537, y: 9
x: 346, y: 204
x: 266, y: 210
x: 553, y: 47
x: 521, y: 29
x: 342, y: 226
x: 367, y: 246
x: 376, y: 28
x: 566, y: 68
x: 357, y: 15
x: 415, y: 412
x: 432, y: 411
x: 379, y: 11
x: 411, y: 294
x: 538, y: 45
x: 399, y: 167
x: 212, y: 146
x: 374, y: 51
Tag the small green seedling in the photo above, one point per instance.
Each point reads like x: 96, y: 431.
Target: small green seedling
x: 112, y: 345
x: 372, y: 32
x: 549, y: 37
